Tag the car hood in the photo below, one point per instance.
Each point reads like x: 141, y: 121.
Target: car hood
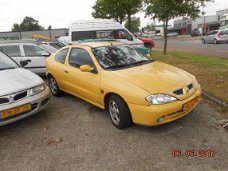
x: 14, y: 80
x: 156, y: 77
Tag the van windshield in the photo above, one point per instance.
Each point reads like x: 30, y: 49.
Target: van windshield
x: 6, y: 62
x: 121, y: 56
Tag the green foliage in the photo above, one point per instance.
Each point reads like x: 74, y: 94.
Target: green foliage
x: 135, y: 24
x: 150, y: 27
x: 164, y: 10
x: 28, y: 24
x: 119, y: 10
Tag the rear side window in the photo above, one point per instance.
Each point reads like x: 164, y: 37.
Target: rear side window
x: 82, y: 35
x: 61, y: 56
x: 80, y: 57
x: 12, y: 51
x: 31, y: 50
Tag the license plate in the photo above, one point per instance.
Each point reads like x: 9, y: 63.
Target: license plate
x: 190, y: 104
x: 15, y: 111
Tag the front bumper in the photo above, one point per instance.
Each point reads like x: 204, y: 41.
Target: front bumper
x: 149, y: 115
x: 38, y: 103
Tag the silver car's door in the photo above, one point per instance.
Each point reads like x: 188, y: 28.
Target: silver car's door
x: 38, y: 56
x: 14, y: 51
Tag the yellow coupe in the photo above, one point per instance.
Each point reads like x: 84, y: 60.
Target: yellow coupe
x: 132, y: 87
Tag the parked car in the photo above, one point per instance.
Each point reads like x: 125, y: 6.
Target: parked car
x: 215, y: 37
x: 132, y: 87
x: 195, y: 32
x: 26, y: 50
x: 56, y: 45
x: 22, y: 93
x: 172, y: 34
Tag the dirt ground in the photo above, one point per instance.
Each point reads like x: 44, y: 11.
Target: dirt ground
x: 73, y: 135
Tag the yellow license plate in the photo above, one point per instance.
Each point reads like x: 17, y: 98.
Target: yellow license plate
x: 189, y: 105
x: 15, y: 111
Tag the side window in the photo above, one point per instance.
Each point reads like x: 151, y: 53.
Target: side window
x: 82, y: 35
x: 12, y: 51
x: 123, y: 34
x: 80, y: 57
x: 61, y: 56
x: 31, y: 50
x: 104, y: 34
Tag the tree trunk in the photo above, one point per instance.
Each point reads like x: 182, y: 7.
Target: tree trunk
x: 165, y: 27
x: 129, y: 21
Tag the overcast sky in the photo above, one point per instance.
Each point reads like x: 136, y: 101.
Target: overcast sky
x: 60, y: 13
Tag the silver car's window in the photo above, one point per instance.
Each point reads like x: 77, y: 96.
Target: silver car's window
x: 31, y: 50
x: 6, y: 62
x: 12, y: 51
x: 61, y: 56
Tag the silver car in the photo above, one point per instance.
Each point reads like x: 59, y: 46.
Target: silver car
x: 215, y: 37
x: 22, y: 93
x: 20, y: 50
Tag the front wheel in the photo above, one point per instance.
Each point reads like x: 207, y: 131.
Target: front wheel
x: 54, y: 86
x: 119, y: 112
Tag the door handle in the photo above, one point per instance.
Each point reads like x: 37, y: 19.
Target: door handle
x: 66, y: 71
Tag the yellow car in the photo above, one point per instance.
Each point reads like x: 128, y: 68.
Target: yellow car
x: 132, y: 87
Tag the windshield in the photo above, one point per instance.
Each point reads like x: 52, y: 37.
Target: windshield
x: 110, y: 57
x: 6, y: 62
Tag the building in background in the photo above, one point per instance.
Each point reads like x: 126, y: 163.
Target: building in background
x: 53, y: 34
x: 203, y: 24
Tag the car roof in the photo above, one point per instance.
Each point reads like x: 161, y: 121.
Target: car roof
x: 97, y: 44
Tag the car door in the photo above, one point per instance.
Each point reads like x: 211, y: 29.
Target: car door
x: 83, y: 84
x: 37, y: 56
x: 14, y: 51
x: 58, y: 68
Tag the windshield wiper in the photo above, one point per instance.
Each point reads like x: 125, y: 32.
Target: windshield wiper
x: 7, y: 68
x: 142, y: 62
x: 118, y: 66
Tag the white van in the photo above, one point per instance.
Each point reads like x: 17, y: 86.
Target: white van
x: 101, y: 29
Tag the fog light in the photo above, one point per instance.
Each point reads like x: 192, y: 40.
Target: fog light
x: 161, y: 119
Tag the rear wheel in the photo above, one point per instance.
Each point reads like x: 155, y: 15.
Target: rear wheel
x: 203, y: 41
x: 54, y: 86
x: 119, y: 112
x: 215, y: 41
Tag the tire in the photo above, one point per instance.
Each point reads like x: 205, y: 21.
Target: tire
x: 54, y: 86
x: 215, y: 42
x: 119, y: 112
x: 203, y: 41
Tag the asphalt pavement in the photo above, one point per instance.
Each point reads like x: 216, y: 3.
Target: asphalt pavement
x: 193, y: 45
x: 71, y: 134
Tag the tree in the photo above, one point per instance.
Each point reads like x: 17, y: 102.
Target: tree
x: 119, y: 10
x: 28, y: 24
x: 135, y: 24
x: 165, y: 10
x: 150, y: 27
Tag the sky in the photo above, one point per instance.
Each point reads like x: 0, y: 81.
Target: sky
x: 61, y: 13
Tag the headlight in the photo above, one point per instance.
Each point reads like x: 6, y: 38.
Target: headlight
x: 37, y: 89
x: 160, y: 99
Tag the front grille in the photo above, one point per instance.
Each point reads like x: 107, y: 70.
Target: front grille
x: 4, y: 100
x: 20, y: 96
x: 182, y: 91
x: 179, y: 92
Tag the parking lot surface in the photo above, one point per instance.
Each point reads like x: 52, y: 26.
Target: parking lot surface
x: 194, y: 45
x: 73, y: 135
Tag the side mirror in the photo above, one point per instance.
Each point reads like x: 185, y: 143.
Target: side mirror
x: 24, y: 62
x: 86, y: 68
x: 44, y: 53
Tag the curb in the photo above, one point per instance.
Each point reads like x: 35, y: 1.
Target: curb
x: 214, y: 99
